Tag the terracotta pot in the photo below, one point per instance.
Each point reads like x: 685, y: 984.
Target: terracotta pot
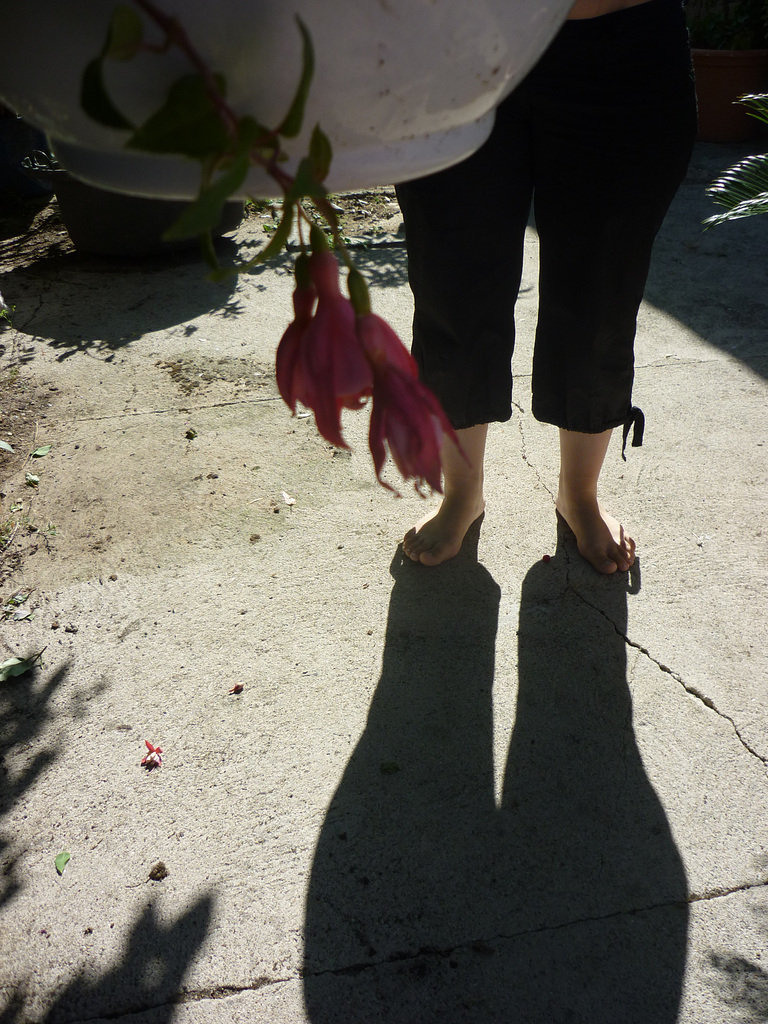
x: 400, y: 88
x: 722, y: 76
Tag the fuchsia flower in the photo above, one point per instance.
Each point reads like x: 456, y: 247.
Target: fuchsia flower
x: 152, y: 759
x: 334, y: 356
x: 319, y: 360
x: 406, y: 416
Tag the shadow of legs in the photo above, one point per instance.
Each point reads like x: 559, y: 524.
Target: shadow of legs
x: 427, y: 902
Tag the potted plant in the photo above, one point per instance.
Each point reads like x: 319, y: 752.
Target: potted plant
x: 399, y: 88
x: 214, y: 102
x: 729, y: 39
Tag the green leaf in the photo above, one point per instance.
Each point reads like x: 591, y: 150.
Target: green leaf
x: 39, y: 453
x: 205, y: 212
x: 61, y: 861
x: 188, y: 123
x: 280, y: 237
x: 305, y: 183
x: 208, y: 252
x: 13, y: 667
x: 95, y: 100
x: 742, y: 190
x: 291, y: 124
x: 756, y: 104
x: 125, y: 34
x: 5, y: 447
x: 320, y: 154
x: 249, y: 132
x: 17, y: 666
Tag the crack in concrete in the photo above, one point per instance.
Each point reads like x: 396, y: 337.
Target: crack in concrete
x: 484, y: 945
x: 689, y: 688
x: 481, y: 946
x: 183, y: 998
x: 524, y: 453
x: 174, y: 410
x: 719, y: 891
x: 692, y: 690
x: 681, y: 362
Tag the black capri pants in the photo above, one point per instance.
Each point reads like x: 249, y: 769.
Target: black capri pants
x: 598, y: 136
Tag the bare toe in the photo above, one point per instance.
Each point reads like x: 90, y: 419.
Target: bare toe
x: 413, y: 543
x: 601, y: 539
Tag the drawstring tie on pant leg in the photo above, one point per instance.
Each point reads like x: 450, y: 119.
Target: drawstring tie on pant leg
x: 634, y: 419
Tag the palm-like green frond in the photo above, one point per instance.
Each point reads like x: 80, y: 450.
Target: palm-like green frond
x: 743, y: 188
x: 757, y: 104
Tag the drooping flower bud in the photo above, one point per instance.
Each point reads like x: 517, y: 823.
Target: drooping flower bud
x: 287, y: 362
x: 406, y: 417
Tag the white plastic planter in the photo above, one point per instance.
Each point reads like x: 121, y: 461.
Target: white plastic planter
x: 401, y: 87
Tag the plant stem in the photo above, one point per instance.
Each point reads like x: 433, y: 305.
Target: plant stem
x: 175, y: 33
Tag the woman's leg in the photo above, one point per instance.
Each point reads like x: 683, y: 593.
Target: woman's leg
x: 465, y: 274
x: 612, y: 150
x: 439, y: 536
x: 600, y: 538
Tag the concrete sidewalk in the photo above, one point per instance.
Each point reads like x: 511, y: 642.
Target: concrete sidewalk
x: 504, y: 790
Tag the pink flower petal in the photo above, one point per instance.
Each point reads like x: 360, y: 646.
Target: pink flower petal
x: 289, y: 350
x: 406, y: 416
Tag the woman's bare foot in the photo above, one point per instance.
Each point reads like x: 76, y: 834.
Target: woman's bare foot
x: 439, y: 537
x: 600, y: 538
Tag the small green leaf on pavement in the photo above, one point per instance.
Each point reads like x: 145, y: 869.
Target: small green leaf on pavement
x: 38, y: 453
x: 5, y: 447
x: 13, y: 667
x: 61, y: 861
x: 17, y: 666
